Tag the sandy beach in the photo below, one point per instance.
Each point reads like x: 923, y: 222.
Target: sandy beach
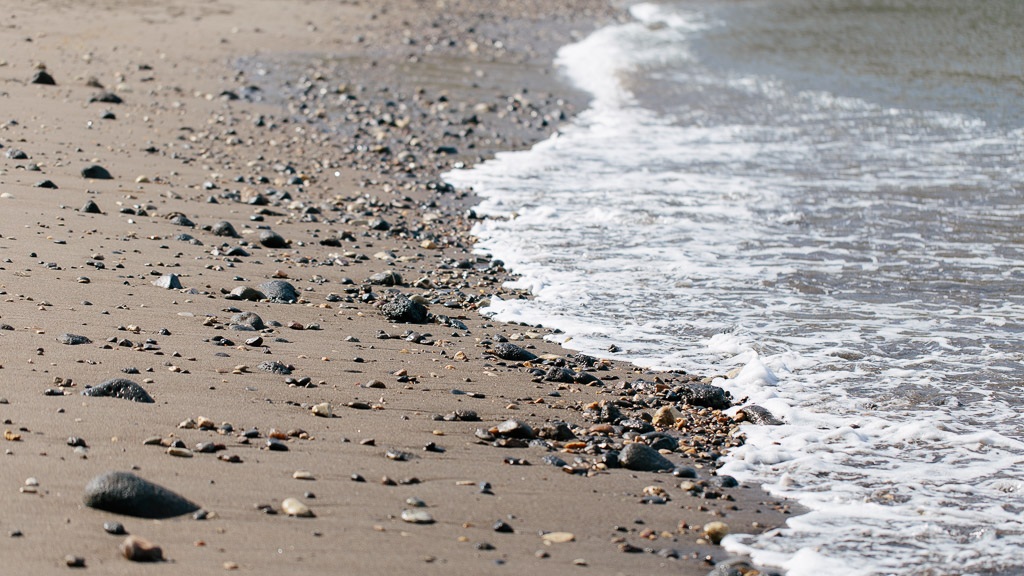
x: 175, y: 159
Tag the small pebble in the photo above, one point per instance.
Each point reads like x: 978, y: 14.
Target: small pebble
x: 418, y: 516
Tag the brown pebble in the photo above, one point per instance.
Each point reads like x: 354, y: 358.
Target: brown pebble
x: 141, y: 550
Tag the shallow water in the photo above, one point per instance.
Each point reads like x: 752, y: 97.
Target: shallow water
x: 827, y: 195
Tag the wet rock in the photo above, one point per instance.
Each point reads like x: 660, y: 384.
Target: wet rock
x: 44, y: 78
x: 90, y: 207
x: 141, y: 550
x: 510, y: 351
x: 125, y: 493
x: 272, y: 239
x: 120, y: 388
x: 705, y: 395
x: 73, y: 339
x: 643, y: 458
x: 758, y: 415
x: 247, y: 321
x: 96, y: 172
x: 401, y: 309
x: 279, y: 291
x: 168, y: 282
x: 224, y: 228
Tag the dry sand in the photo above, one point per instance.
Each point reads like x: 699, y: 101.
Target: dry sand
x: 181, y: 137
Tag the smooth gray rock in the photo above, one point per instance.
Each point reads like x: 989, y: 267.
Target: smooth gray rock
x: 279, y: 291
x: 120, y: 388
x: 246, y: 293
x: 760, y: 415
x: 73, y: 339
x: 125, y: 493
x: 224, y: 228
x: 643, y: 458
x: 272, y: 239
x: 250, y: 320
x: 385, y: 278
x: 182, y: 220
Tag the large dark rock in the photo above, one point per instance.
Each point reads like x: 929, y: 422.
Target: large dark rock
x: 91, y: 207
x: 399, y: 308
x: 125, y: 493
x: 272, y: 239
x: 224, y: 228
x: 43, y: 77
x: 120, y: 388
x: 705, y: 395
x: 279, y: 291
x: 96, y: 172
x: 385, y: 278
x: 643, y: 458
x: 509, y: 351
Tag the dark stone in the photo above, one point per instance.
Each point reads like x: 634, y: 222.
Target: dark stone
x: 182, y: 220
x: 279, y: 291
x: 685, y: 472
x: 107, y: 97
x: 90, y: 207
x: 168, y: 281
x: 73, y: 339
x: 705, y: 395
x: 115, y: 528
x: 249, y: 320
x: 125, y: 493
x: 399, y: 308
x: 275, y: 367
x: 560, y: 374
x: 723, y: 481
x: 760, y: 415
x: 43, y: 77
x: 272, y: 239
x: 224, y: 228
x: 96, y: 172
x: 643, y: 458
x: 15, y: 154
x: 46, y: 184
x: 559, y: 431
x: 509, y: 351
x: 120, y: 388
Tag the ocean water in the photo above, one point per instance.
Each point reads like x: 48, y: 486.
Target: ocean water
x: 824, y: 199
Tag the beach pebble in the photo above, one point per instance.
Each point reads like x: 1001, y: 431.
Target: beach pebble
x: 246, y: 293
x: 73, y: 339
x: 47, y: 184
x: 417, y: 516
x: 120, y: 388
x: 757, y: 415
x: 248, y: 320
x: 73, y: 561
x: 275, y: 367
x: 303, y: 475
x: 125, y: 493
x: 224, y: 228
x: 182, y: 220
x: 715, y: 531
x: 294, y: 507
x: 558, y: 537
x: 385, y: 278
x: 323, y: 410
x: 115, y: 528
x: 44, y: 78
x: 96, y: 172
x: 279, y: 291
x: 401, y: 309
x: 90, y: 207
x: 664, y: 417
x: 168, y: 281
x: 706, y: 395
x: 140, y: 550
x: 272, y: 239
x: 509, y: 351
x: 643, y: 458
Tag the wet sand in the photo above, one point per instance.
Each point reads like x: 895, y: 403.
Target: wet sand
x: 224, y: 118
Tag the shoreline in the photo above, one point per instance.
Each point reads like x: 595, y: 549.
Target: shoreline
x: 406, y: 406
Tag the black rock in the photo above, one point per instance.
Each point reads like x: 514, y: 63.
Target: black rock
x: 250, y: 320
x: 705, y: 395
x: 125, y: 493
x: 685, y: 472
x: 90, y: 207
x: 115, y: 528
x: 723, y: 481
x: 399, y: 308
x: 107, y: 97
x: 509, y: 351
x: 182, y: 220
x: 43, y: 77
x: 96, y: 172
x: 760, y: 415
x: 224, y: 228
x: 560, y: 374
x: 643, y: 458
x: 272, y: 239
x: 46, y: 184
x: 15, y: 154
x: 120, y: 388
x: 279, y: 291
